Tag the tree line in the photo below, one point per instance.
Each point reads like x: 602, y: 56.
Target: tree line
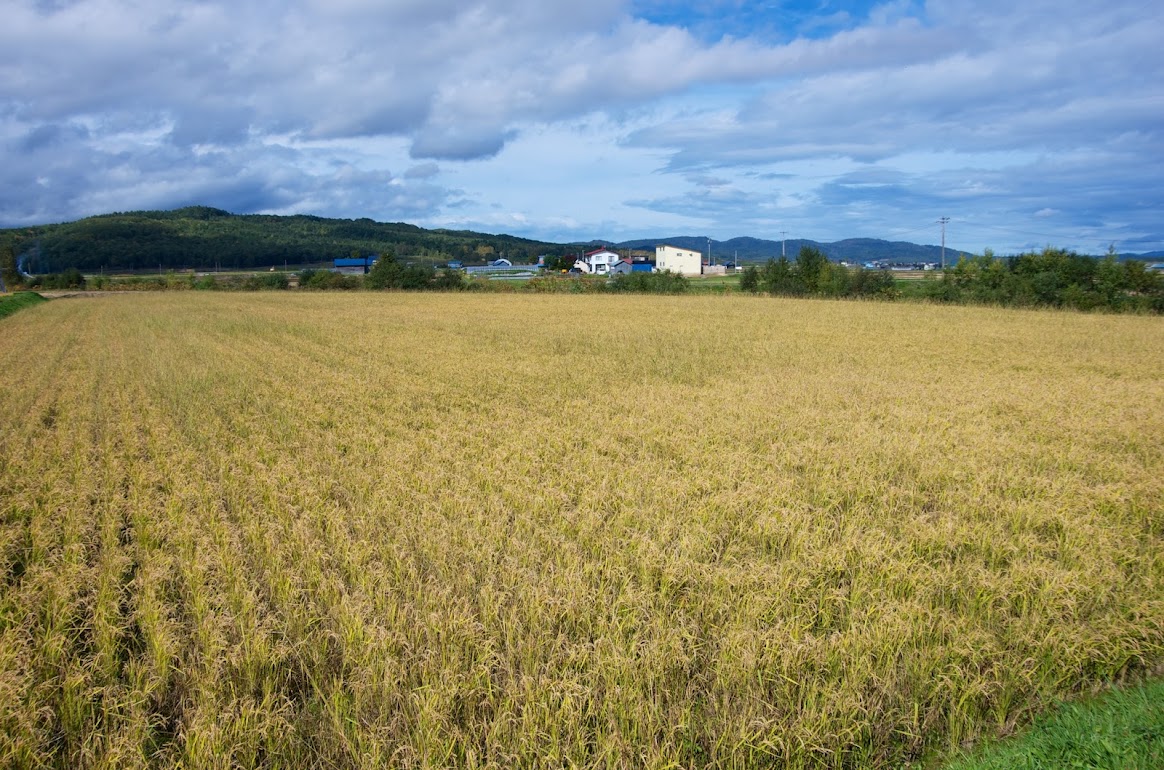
x: 1050, y: 278
x: 812, y: 274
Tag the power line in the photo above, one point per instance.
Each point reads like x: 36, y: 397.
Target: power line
x: 973, y: 225
x: 926, y: 226
x: 1012, y: 230
x: 1055, y: 236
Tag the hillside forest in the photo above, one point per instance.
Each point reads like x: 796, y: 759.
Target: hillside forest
x: 204, y: 238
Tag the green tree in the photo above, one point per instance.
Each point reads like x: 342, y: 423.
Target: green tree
x: 810, y: 265
x: 872, y: 283
x: 779, y: 277
x: 417, y: 277
x: 833, y: 280
x: 558, y: 262
x: 945, y: 289
x: 387, y: 273
x: 1111, y: 282
x: 750, y: 279
x: 9, y: 275
x: 449, y: 280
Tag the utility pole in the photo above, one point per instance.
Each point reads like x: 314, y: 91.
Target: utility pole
x: 709, y: 252
x: 782, y: 234
x: 944, y: 221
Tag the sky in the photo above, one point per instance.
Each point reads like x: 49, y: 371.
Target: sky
x: 1027, y: 123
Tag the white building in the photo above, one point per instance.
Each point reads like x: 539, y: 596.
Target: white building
x: 682, y: 261
x: 597, y: 262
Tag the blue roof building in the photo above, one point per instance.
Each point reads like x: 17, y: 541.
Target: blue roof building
x: 354, y: 265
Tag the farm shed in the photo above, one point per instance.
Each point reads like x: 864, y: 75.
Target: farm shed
x: 354, y: 265
x: 625, y: 266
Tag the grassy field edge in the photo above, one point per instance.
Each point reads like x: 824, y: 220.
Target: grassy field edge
x: 18, y: 301
x: 1120, y: 729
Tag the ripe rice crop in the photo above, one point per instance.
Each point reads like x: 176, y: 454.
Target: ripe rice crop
x: 387, y: 530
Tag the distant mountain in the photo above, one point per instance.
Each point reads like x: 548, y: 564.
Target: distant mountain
x: 759, y: 250
x: 848, y: 250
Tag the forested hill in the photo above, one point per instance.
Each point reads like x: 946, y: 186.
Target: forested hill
x: 203, y: 237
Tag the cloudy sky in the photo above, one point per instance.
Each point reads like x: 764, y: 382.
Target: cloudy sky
x: 1026, y: 122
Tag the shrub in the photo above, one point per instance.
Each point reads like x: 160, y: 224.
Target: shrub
x: 663, y: 282
x: 416, y: 277
x: 325, y: 279
x: 449, y: 280
x: 68, y: 279
x: 779, y: 277
x: 267, y: 282
x: 563, y: 284
x: 1051, y: 278
x: 872, y: 283
x: 750, y: 279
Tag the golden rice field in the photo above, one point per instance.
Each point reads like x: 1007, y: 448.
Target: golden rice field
x: 381, y: 530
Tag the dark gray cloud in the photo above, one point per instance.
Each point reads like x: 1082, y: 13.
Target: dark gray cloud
x: 48, y: 175
x: 466, y: 142
x: 49, y: 135
x: 422, y: 171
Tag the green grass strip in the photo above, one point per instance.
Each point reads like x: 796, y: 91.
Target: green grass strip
x: 1121, y: 730
x: 11, y: 303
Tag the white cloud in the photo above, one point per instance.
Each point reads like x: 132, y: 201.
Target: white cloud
x: 716, y: 114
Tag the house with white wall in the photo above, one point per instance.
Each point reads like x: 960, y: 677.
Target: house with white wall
x: 682, y: 261
x: 597, y: 262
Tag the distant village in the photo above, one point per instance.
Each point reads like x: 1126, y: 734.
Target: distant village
x: 604, y: 262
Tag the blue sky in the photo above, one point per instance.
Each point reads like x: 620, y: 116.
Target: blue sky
x: 1026, y: 123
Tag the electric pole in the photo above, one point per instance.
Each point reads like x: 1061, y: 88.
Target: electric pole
x: 782, y: 234
x: 944, y: 221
